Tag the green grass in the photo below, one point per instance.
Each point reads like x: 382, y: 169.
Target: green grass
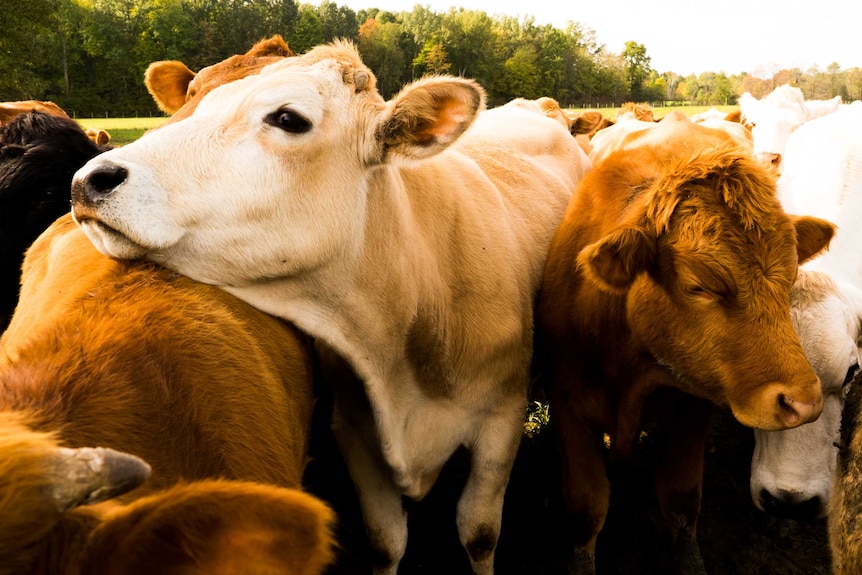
x: 123, y: 130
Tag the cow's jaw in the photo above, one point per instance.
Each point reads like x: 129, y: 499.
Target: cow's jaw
x: 108, y: 240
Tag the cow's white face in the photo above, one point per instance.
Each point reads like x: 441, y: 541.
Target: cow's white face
x: 271, y: 156
x: 269, y: 177
x: 792, y: 470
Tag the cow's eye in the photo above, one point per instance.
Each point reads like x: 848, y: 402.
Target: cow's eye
x: 700, y: 292
x: 289, y: 121
x: 851, y: 374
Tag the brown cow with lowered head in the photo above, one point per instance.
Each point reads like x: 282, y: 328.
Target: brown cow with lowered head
x: 667, y: 288
x: 133, y: 357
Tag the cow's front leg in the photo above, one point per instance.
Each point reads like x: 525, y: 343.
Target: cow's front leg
x: 379, y: 498
x: 480, y: 507
x: 679, y: 478
x: 585, y: 486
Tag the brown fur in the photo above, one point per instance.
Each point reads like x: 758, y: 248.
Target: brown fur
x: 641, y: 112
x: 177, y: 90
x: 133, y: 357
x: 9, y: 110
x: 671, y: 269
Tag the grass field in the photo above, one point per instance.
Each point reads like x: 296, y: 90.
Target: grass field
x: 126, y: 130
x: 122, y: 130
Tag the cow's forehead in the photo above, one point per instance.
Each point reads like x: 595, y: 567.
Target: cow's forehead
x: 285, y: 83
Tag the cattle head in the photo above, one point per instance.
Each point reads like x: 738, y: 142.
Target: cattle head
x: 39, y: 154
x: 289, y: 153
x: 705, y: 264
x: 776, y: 116
x: 792, y: 470
x: 177, y: 90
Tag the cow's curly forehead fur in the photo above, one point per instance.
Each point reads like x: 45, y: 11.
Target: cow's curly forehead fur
x: 342, y: 54
x: 715, y: 178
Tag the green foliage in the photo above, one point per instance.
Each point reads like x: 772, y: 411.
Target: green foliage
x: 89, y: 56
x: 537, y: 419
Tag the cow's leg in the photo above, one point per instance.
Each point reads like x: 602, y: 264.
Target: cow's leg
x: 379, y: 497
x: 679, y: 478
x: 585, y: 487
x: 480, y: 507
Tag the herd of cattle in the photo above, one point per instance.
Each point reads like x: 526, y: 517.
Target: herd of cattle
x: 289, y: 243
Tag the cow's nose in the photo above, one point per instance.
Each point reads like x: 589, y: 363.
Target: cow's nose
x: 98, y: 183
x: 796, y: 411
x: 790, y: 506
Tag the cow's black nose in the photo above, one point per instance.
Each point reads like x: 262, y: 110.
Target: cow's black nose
x: 787, y: 506
x: 100, y: 183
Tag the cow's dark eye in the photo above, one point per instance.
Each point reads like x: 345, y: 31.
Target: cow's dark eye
x: 289, y: 121
x: 851, y: 373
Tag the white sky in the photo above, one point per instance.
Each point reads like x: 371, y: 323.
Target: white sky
x: 694, y: 36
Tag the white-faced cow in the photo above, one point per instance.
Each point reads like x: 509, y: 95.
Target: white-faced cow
x: 776, y: 116
x: 792, y: 471
x: 667, y: 290
x: 408, y: 237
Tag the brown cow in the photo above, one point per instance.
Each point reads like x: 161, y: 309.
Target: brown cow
x: 9, y: 110
x: 130, y: 356
x: 667, y: 288
x: 177, y: 90
x: 53, y: 521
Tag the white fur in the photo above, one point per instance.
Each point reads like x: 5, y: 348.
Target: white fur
x: 822, y: 177
x: 778, y: 115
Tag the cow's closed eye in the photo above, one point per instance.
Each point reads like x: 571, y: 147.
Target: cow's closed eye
x: 289, y: 121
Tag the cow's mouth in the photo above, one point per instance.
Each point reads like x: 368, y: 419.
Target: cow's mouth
x: 109, y: 240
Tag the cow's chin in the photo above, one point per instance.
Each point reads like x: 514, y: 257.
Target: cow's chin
x: 110, y: 241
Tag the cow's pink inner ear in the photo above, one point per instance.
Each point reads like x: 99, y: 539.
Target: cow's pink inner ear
x: 615, y: 261
x: 812, y: 236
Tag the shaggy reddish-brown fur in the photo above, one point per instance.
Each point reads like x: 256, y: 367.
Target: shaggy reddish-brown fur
x: 130, y: 356
x: 670, y: 262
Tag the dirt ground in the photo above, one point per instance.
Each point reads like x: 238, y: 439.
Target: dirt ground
x: 735, y: 538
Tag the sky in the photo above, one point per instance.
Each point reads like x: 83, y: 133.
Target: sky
x: 693, y: 36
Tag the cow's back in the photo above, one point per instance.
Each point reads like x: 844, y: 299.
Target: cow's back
x: 138, y: 358
x: 533, y: 165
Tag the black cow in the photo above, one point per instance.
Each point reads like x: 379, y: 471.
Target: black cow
x: 39, y: 153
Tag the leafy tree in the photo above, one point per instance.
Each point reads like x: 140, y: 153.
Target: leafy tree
x: 432, y: 59
x: 522, y: 74
x: 637, y: 67
x: 308, y: 31
x: 337, y: 21
x: 21, y: 51
x: 379, y: 44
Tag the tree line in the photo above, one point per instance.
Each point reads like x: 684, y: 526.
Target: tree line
x: 89, y: 56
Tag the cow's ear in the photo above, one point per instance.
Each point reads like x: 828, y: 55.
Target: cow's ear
x: 271, y: 47
x: 812, y: 236
x: 216, y: 526
x: 168, y: 82
x: 429, y: 115
x: 616, y: 260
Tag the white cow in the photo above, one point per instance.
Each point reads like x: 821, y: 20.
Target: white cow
x: 408, y: 236
x: 792, y: 471
x: 776, y: 116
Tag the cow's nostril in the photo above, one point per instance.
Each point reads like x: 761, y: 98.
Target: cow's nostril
x: 102, y: 181
x: 790, y: 506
